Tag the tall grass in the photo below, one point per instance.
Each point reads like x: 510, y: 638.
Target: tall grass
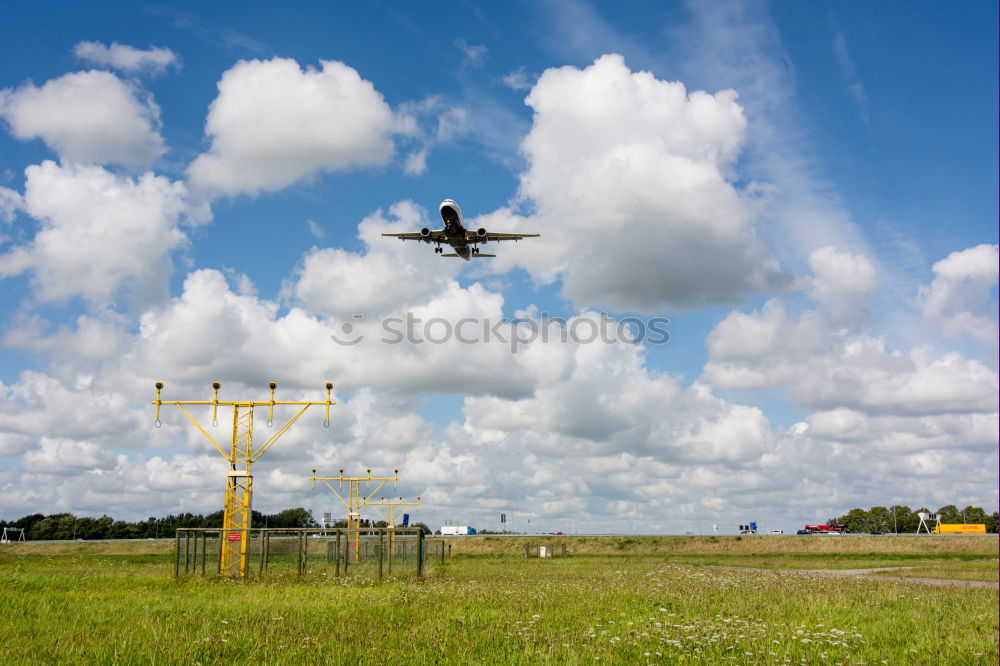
x: 107, y: 608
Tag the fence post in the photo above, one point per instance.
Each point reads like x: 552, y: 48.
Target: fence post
x: 420, y: 554
x: 177, y: 564
x: 187, y: 552
x: 381, y: 554
x: 442, y: 551
x: 260, y: 565
x: 301, y: 547
x: 222, y: 535
x: 347, y: 550
x: 336, y: 554
x: 525, y: 551
x: 204, y: 551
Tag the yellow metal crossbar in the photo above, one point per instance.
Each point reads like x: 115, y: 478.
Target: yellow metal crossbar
x: 238, y: 509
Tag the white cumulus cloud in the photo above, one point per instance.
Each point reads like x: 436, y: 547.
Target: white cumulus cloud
x: 629, y: 170
x: 960, y: 300
x: 88, y: 118
x: 273, y: 124
x: 98, y: 232
x: 827, y: 360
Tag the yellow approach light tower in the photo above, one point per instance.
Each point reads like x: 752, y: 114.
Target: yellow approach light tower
x: 356, y: 500
x: 242, y: 454
x: 389, y: 506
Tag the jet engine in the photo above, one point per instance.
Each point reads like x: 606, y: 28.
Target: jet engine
x: 481, y: 232
x: 425, y: 233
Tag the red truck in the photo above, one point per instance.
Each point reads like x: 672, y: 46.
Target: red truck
x: 824, y: 529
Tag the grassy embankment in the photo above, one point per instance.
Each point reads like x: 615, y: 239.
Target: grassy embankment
x: 956, y: 557
x: 106, y: 603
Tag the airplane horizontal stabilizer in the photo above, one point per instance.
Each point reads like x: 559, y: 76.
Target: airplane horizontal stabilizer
x: 474, y: 256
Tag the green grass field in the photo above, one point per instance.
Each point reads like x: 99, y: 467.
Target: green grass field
x: 119, y: 603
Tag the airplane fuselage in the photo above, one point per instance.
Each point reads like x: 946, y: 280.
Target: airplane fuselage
x: 454, y: 230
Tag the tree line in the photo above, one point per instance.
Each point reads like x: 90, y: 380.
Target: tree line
x: 901, y: 519
x: 39, y: 527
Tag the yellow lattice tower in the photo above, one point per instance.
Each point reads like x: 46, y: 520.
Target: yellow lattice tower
x: 238, y: 508
x: 356, y: 500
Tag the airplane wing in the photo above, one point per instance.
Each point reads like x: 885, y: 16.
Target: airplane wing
x: 436, y: 236
x: 473, y: 237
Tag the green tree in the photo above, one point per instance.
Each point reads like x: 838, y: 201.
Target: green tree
x: 949, y: 514
x: 855, y: 520
x: 974, y: 515
x: 991, y: 522
x: 879, y: 519
x: 901, y: 517
x: 298, y: 517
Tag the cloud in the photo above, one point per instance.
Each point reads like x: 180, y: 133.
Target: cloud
x: 825, y: 359
x: 738, y: 46
x: 847, y: 69
x: 609, y: 404
x: 474, y: 54
x: 435, y: 122
x: 315, y: 229
x: 842, y: 283
x: 67, y: 457
x: 99, y: 233
x: 126, y: 58
x: 10, y: 203
x: 274, y: 124
x: 88, y: 118
x: 959, y: 301
x: 517, y: 80
x: 628, y: 170
x: 40, y: 405
x: 905, y: 434
x: 387, y: 276
x: 243, y: 337
x: 93, y: 338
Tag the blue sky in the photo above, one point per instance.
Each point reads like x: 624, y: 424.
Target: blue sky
x: 818, y: 225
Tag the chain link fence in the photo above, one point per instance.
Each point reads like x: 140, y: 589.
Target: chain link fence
x: 377, y: 553
x: 544, y: 550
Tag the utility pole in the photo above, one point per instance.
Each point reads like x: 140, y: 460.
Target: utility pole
x: 237, y: 510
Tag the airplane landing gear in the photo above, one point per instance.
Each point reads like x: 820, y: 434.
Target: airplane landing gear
x: 437, y: 250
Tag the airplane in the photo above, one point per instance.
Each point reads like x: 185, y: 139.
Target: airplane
x: 462, y: 240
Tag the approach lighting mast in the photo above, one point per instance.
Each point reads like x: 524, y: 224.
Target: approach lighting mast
x: 355, y: 499
x: 389, y: 506
x: 238, y: 508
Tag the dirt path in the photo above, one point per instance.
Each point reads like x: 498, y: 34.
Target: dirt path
x: 866, y: 575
